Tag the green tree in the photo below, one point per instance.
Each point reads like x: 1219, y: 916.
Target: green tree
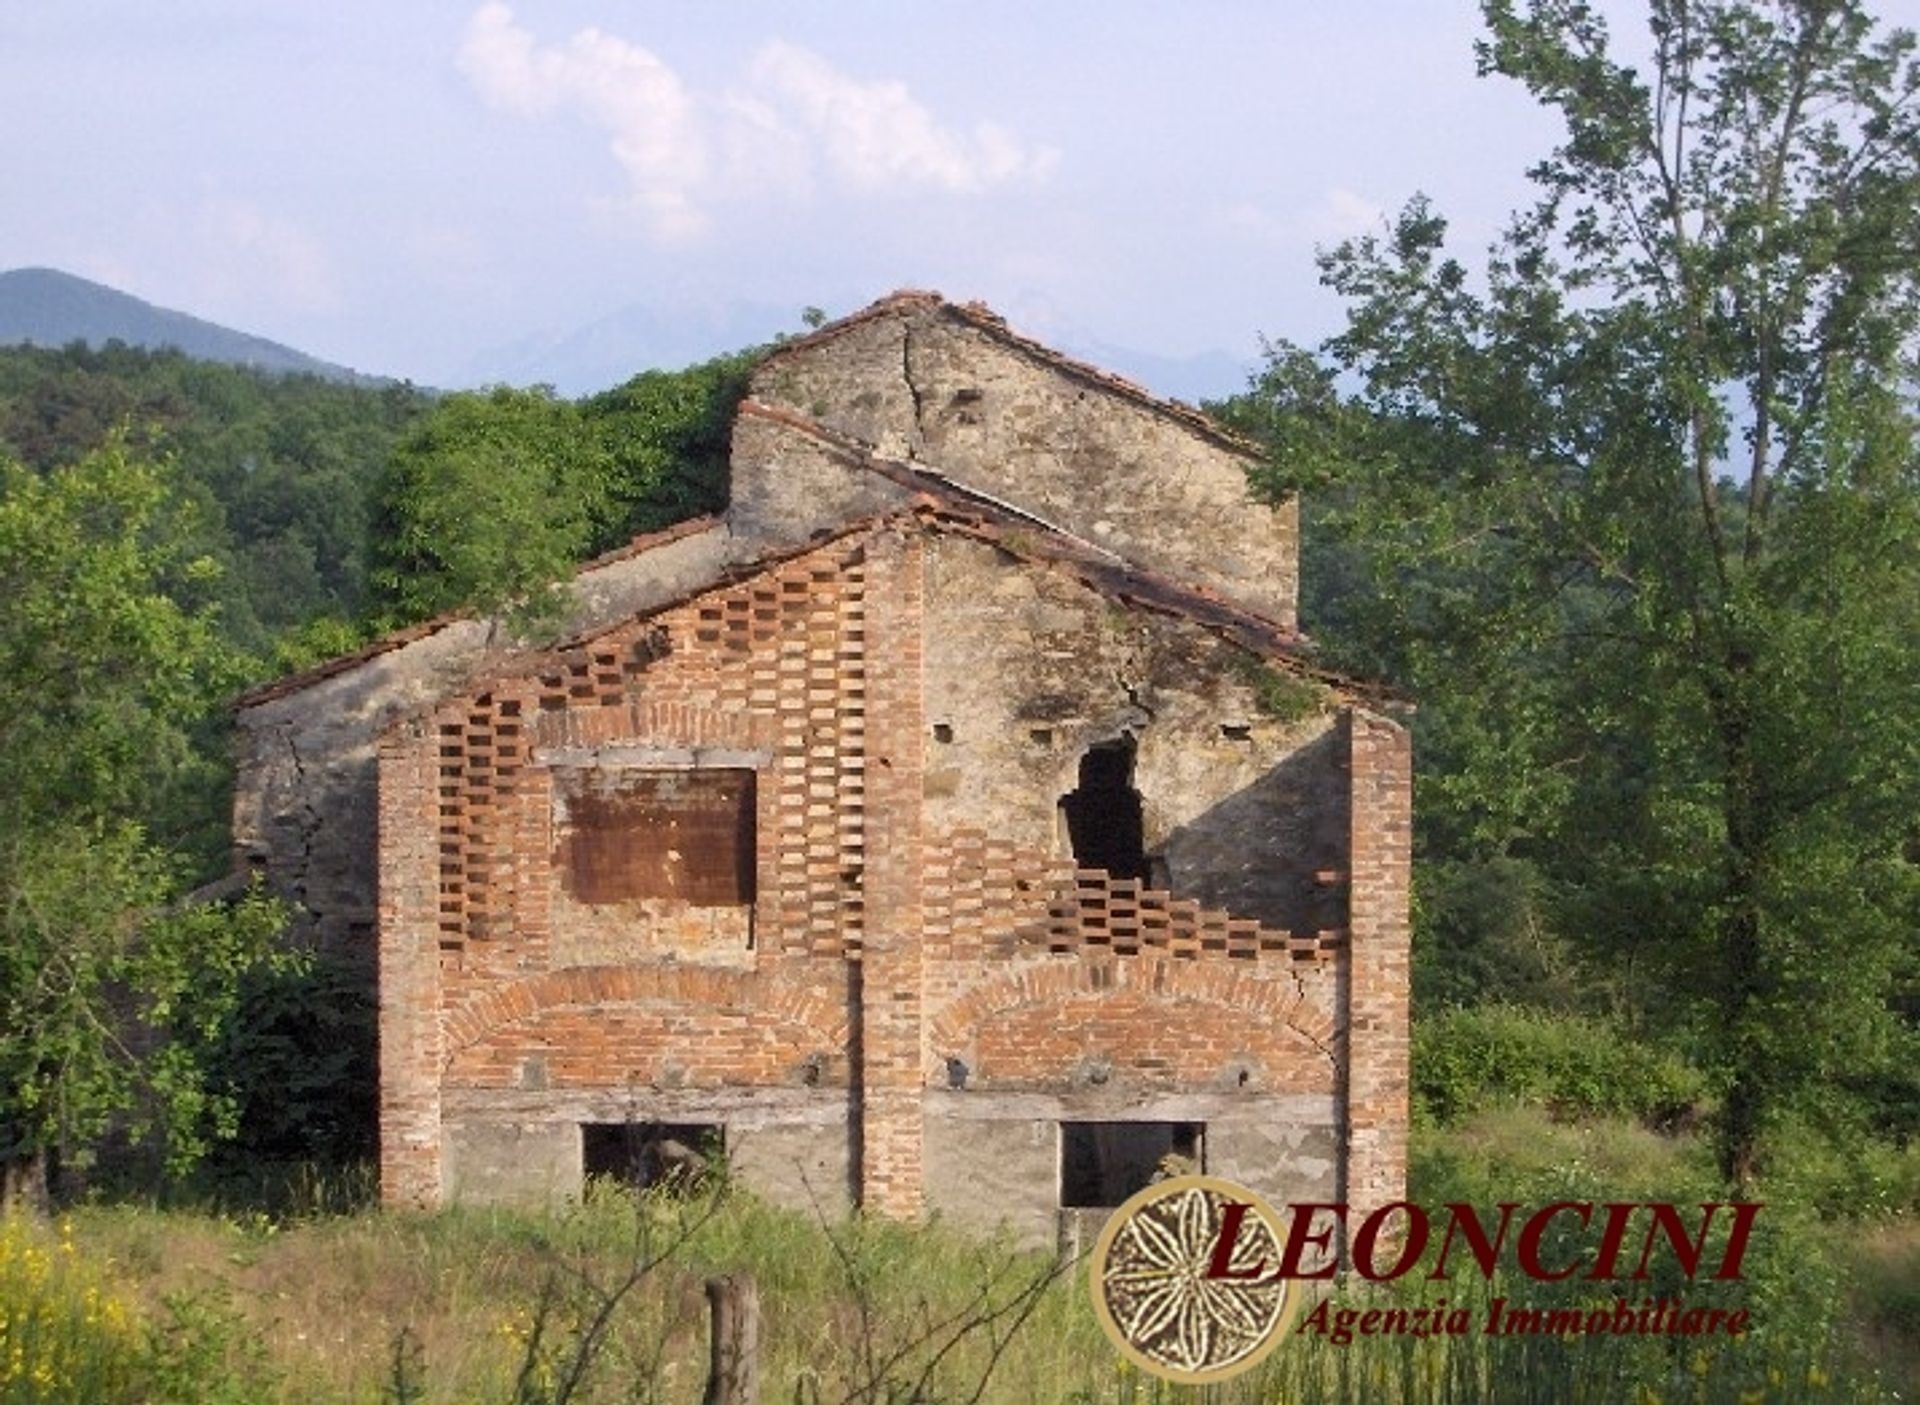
x: 493, y: 498
x: 667, y: 436
x: 112, y: 994
x: 1635, y: 508
x: 488, y: 500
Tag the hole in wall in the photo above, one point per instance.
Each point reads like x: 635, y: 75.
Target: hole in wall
x: 645, y: 1154
x: 1236, y: 731
x: 943, y: 731
x: 1102, y: 1163
x: 1104, y: 826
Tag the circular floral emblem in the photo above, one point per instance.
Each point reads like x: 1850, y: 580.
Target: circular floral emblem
x: 1159, y: 1297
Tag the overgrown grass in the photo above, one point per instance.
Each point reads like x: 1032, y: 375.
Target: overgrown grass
x: 481, y: 1305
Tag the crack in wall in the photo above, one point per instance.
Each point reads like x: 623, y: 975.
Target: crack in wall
x: 917, y: 440
x: 305, y: 830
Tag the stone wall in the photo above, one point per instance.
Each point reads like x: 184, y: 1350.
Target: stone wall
x: 304, y: 792
x: 919, y: 379
x: 914, y: 983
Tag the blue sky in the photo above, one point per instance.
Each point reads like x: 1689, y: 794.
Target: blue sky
x: 411, y: 187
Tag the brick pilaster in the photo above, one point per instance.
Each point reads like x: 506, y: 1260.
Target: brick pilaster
x: 893, y: 957
x: 1380, y: 761
x: 409, y: 947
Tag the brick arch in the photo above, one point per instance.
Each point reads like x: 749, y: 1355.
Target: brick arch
x: 694, y: 986
x: 1233, y: 997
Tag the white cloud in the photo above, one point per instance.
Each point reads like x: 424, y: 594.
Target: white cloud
x: 261, y: 250
x: 1339, y: 214
x: 620, y: 87
x: 795, y: 116
x: 875, y: 136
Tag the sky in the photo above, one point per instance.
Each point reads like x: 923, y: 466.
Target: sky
x: 437, y: 189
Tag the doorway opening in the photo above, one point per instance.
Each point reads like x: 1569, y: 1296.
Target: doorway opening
x: 648, y: 1154
x: 1103, y: 1163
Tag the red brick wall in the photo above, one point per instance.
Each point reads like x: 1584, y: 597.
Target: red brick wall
x: 1155, y: 1021
x: 892, y: 960
x: 470, y: 888
x: 878, y: 950
x: 1381, y: 767
x: 409, y: 971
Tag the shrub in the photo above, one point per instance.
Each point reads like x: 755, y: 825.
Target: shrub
x: 1471, y: 1059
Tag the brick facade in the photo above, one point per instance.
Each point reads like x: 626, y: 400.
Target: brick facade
x: 903, y: 990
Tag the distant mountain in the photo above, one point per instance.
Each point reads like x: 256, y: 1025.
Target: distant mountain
x: 616, y: 347
x: 45, y: 307
x: 613, y: 348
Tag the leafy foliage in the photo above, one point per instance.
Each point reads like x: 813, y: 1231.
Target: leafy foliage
x: 1635, y: 510
x: 279, y: 469
x: 487, y: 501
x: 110, y: 1001
x: 1469, y: 1059
x: 667, y: 437
x: 492, y: 499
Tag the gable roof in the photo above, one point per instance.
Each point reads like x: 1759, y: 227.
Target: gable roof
x: 938, y: 502
x: 907, y: 302
x: 948, y: 505
x: 291, y: 683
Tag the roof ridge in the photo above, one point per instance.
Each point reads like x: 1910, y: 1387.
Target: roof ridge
x: 289, y: 683
x: 978, y: 314
x: 950, y: 503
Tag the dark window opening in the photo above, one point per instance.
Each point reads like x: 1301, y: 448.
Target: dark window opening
x: 648, y: 1154
x: 1103, y: 1163
x: 685, y: 835
x: 1103, y: 815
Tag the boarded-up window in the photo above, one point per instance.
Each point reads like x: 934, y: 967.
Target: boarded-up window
x: 683, y: 835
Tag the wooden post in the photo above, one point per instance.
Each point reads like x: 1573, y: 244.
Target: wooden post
x: 733, y: 1376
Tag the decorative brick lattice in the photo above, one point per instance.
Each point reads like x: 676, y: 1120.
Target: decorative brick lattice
x: 779, y: 658
x: 1098, y: 911
x: 987, y: 898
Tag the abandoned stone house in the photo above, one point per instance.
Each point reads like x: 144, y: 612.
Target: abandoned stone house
x: 954, y: 824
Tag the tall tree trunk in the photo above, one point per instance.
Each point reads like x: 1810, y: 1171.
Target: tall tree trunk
x: 1747, y: 1095
x: 1749, y: 1088
x: 23, y: 1184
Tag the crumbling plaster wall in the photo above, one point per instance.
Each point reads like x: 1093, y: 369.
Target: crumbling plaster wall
x: 926, y: 384
x: 993, y: 1160
x: 786, y: 486
x: 304, y: 795
x: 1026, y: 668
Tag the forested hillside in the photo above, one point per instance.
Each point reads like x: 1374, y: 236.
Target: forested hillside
x: 280, y: 471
